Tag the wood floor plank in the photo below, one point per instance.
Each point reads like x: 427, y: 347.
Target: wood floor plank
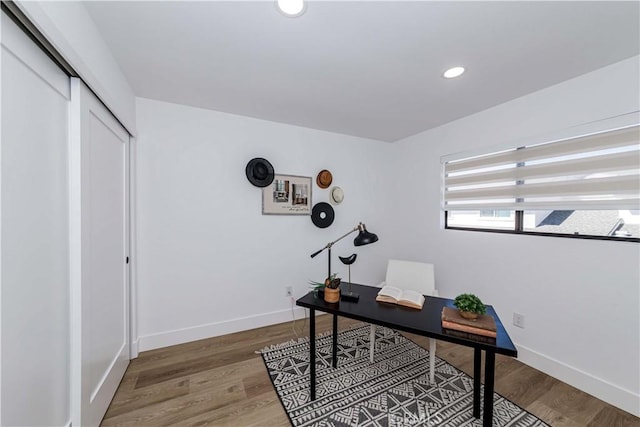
x: 222, y: 381
x: 256, y: 385
x: 125, y: 402
x: 258, y: 411
x: 552, y: 416
x: 612, y: 416
x: 234, y: 372
x: 517, y: 386
x: 188, y: 367
x: 170, y: 412
x: 568, y: 401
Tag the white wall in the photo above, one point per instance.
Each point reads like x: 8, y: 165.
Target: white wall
x: 208, y: 261
x: 580, y: 298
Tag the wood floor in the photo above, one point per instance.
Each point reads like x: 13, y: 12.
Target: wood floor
x: 222, y: 381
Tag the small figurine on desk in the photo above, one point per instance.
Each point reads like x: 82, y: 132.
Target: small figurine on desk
x: 349, y: 296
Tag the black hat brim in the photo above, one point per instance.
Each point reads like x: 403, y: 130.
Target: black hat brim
x: 259, y: 172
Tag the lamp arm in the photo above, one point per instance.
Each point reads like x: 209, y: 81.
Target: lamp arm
x: 328, y: 246
x: 342, y: 237
x: 317, y: 252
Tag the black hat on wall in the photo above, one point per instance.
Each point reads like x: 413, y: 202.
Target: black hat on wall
x: 259, y: 172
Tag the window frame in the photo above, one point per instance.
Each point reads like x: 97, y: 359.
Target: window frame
x: 519, y: 229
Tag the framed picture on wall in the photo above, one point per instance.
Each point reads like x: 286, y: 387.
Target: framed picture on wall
x: 287, y: 195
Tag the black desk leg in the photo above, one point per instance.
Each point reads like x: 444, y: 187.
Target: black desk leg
x: 477, y: 365
x: 335, y: 341
x: 489, y: 376
x: 312, y: 351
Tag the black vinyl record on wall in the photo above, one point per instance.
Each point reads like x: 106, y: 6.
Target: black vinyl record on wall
x: 322, y: 215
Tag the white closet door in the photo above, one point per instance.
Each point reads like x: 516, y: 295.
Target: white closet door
x: 99, y: 282
x: 34, y: 234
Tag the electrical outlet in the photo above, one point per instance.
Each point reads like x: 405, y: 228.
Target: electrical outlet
x: 518, y: 320
x: 289, y: 290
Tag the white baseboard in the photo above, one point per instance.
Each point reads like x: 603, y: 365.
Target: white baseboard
x: 180, y: 336
x: 135, y: 349
x: 624, y: 399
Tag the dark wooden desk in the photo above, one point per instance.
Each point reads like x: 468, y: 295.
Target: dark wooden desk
x: 426, y: 322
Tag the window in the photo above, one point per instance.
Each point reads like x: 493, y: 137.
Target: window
x: 485, y: 219
x: 585, y: 183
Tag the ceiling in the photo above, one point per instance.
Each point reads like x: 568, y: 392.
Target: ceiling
x: 369, y: 69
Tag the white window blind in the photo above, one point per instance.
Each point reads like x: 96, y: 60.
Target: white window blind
x: 596, y: 170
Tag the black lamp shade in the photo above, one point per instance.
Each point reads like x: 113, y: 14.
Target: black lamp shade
x: 365, y: 238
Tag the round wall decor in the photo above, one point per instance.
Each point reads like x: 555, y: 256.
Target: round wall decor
x: 336, y: 196
x: 324, y: 179
x: 259, y: 172
x: 322, y: 215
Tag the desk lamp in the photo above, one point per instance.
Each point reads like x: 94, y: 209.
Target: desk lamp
x: 363, y: 238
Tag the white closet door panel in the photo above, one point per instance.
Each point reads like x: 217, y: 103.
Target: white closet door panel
x: 106, y: 252
x: 101, y: 303
x: 34, y: 234
x: 36, y: 62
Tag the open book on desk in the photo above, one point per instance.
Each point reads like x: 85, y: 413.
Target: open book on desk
x: 406, y: 297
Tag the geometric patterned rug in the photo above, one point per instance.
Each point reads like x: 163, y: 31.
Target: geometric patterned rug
x: 393, y: 391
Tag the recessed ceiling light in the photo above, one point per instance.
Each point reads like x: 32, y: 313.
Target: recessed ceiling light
x: 291, y: 8
x: 453, y: 72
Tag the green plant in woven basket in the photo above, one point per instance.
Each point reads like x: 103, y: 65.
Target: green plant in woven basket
x: 469, y: 303
x: 331, y: 282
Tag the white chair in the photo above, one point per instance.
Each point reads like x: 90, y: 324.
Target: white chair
x: 418, y: 277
